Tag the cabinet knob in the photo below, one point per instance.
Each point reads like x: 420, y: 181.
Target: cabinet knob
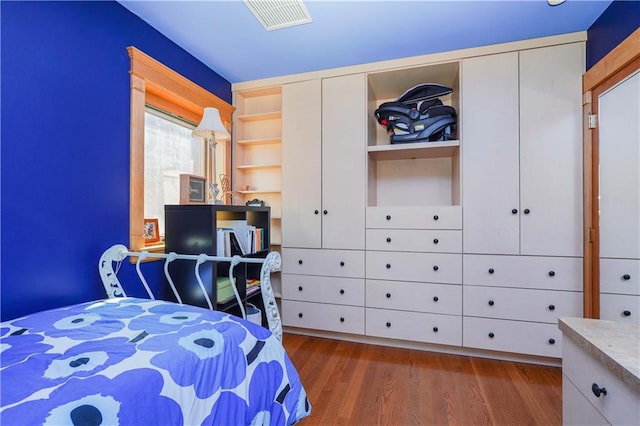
x: 435, y: 217
x: 527, y: 211
x: 552, y: 273
x: 324, y: 212
x: 299, y: 314
x: 388, y: 295
x: 388, y: 217
x: 435, y: 267
x: 299, y: 288
x: 552, y: 307
x: 626, y: 313
x: 316, y: 211
x: 388, y: 324
x: 491, y: 335
x: 341, y: 291
x: 435, y: 329
x: 388, y: 239
x: 435, y: 241
x: 435, y: 298
x: 491, y: 270
x: 491, y: 302
x: 300, y: 262
x: 388, y: 266
x: 626, y: 277
x: 341, y: 263
x: 597, y: 390
x: 514, y: 211
x: 552, y: 341
x: 341, y: 319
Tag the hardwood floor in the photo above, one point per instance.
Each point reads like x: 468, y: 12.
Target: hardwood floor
x: 356, y: 384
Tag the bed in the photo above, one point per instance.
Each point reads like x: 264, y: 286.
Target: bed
x: 134, y: 361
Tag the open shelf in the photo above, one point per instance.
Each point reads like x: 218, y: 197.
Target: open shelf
x: 260, y: 141
x: 413, y: 150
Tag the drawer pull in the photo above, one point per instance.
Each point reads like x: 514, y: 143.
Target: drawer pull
x: 324, y: 212
x: 316, y: 211
x: 299, y: 288
x: 597, y: 390
x: 435, y: 298
x: 491, y: 335
x: 341, y: 319
x: 527, y: 211
x: 388, y: 324
x: 341, y: 291
x: 388, y: 295
x: 388, y: 217
x: 491, y: 302
x: 626, y: 277
x: 435, y: 329
x: 626, y: 313
x: 388, y: 266
x: 435, y: 217
x: 552, y: 307
x: 435, y: 241
x: 491, y: 270
x: 341, y: 263
x: 514, y: 211
x: 388, y: 239
x: 435, y: 268
x: 300, y: 262
x: 299, y: 314
x: 552, y: 273
x: 552, y: 341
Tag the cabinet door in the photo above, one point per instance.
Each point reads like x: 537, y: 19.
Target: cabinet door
x: 490, y: 154
x: 551, y: 150
x: 619, y: 150
x: 301, y: 166
x: 343, y: 161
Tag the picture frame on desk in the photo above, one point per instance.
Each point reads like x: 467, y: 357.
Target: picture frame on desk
x: 151, y: 232
x: 193, y: 189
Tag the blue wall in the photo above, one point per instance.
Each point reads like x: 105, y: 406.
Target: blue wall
x: 619, y: 20
x: 65, y: 144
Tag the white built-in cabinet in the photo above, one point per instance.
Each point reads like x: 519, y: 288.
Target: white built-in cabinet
x: 619, y: 181
x: 474, y: 242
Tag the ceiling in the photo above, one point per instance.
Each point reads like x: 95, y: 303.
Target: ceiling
x: 226, y: 36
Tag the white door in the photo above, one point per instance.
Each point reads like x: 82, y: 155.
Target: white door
x: 551, y: 150
x: 301, y: 164
x: 490, y: 154
x: 619, y: 149
x: 343, y: 161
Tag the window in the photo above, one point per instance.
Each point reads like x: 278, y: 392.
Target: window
x: 156, y: 86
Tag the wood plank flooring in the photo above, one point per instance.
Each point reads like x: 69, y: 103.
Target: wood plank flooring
x: 356, y: 384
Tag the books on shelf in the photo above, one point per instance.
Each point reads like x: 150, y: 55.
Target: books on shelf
x: 242, y: 238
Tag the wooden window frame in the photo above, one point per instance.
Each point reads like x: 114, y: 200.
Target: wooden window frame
x: 153, y: 83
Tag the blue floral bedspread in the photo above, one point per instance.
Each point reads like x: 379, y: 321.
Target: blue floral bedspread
x: 144, y: 362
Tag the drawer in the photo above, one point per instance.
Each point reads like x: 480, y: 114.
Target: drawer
x: 521, y: 304
x: 424, y: 240
x: 576, y: 408
x: 620, y: 276
x: 553, y: 273
x: 311, y: 288
x: 411, y: 296
x: 422, y: 267
x: 618, y: 307
x: 529, y: 338
x: 321, y: 316
x: 414, y: 326
x: 620, y: 405
x: 334, y: 263
x: 423, y: 217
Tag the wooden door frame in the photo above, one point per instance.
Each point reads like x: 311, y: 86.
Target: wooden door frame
x: 617, y: 65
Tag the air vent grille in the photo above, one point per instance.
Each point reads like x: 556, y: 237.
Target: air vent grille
x: 276, y: 14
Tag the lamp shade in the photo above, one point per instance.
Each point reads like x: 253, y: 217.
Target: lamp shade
x: 211, y: 126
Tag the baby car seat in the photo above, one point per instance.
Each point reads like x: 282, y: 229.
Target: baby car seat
x: 418, y: 115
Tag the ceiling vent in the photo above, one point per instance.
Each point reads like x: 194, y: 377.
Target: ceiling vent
x: 276, y: 14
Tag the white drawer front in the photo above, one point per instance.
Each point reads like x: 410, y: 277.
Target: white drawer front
x: 334, y: 263
x: 620, y: 276
x: 423, y: 217
x: 320, y: 316
x: 553, y: 273
x: 414, y: 326
x: 576, y: 408
x: 521, y: 304
x: 617, y: 307
x: 422, y: 267
x: 412, y: 296
x: 311, y: 288
x: 620, y: 405
x: 512, y: 336
x: 429, y: 240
